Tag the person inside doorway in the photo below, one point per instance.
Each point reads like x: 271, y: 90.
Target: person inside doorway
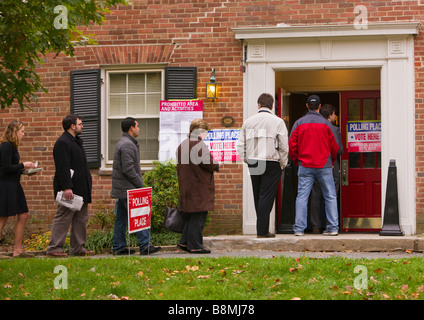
x: 317, y: 209
x: 313, y: 147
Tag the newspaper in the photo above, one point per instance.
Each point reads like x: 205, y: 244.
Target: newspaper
x: 31, y: 171
x: 74, y: 204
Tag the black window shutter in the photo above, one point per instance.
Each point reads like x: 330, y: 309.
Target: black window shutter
x: 180, y: 83
x: 85, y: 102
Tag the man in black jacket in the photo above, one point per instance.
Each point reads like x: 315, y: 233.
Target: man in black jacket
x: 73, y: 177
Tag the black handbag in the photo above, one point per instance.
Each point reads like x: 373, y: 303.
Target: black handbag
x: 174, y: 220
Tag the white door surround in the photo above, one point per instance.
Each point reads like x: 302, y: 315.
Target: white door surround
x: 389, y: 47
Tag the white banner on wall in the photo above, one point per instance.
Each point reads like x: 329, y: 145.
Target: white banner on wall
x: 174, y: 124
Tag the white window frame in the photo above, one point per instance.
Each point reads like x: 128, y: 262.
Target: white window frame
x: 107, y: 163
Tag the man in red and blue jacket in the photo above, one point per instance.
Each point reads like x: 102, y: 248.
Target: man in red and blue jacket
x: 313, y: 147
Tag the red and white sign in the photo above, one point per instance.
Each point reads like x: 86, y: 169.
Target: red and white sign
x: 139, y: 209
x: 222, y: 144
x: 364, y: 136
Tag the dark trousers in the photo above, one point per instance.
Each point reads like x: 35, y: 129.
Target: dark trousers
x: 119, y: 241
x: 192, y: 235
x: 265, y: 186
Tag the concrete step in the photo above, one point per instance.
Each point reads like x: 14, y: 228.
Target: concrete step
x: 317, y: 243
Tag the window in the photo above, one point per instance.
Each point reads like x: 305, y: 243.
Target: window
x: 136, y: 94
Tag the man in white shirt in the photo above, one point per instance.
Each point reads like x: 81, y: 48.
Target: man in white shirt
x: 263, y: 145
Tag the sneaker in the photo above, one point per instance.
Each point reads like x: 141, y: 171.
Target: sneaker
x: 151, y: 249
x: 299, y: 234
x: 330, y: 233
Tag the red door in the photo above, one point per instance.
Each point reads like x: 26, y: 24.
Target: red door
x: 361, y: 161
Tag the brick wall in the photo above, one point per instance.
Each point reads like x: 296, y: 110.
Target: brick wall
x: 191, y: 33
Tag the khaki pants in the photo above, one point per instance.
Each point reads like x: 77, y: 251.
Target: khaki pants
x: 64, y: 219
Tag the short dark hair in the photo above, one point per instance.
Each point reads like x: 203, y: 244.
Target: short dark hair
x: 69, y: 120
x: 327, y: 110
x: 127, y: 123
x: 266, y: 100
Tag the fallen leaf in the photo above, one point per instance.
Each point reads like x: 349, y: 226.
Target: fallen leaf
x: 193, y: 268
x: 237, y: 271
x: 404, y: 287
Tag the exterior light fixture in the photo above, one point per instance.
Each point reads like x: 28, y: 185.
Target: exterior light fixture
x: 212, y: 88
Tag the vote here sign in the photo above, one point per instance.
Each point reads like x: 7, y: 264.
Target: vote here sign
x: 139, y: 209
x: 222, y: 144
x: 364, y: 136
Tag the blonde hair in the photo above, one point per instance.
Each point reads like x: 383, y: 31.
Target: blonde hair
x: 198, y: 124
x: 10, y: 134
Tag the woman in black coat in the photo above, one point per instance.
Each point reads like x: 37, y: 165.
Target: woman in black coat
x: 12, y: 197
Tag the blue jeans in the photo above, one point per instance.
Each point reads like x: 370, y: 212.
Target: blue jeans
x: 120, y: 229
x: 306, y: 180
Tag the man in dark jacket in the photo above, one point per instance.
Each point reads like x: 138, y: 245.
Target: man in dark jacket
x: 126, y: 175
x: 73, y: 177
x: 313, y: 147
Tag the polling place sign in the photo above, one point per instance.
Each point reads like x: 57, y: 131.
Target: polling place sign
x: 222, y: 144
x: 139, y: 209
x: 364, y: 136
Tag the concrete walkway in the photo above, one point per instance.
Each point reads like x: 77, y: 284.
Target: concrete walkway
x: 351, y: 245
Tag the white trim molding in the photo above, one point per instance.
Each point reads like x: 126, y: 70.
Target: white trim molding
x: 386, y: 46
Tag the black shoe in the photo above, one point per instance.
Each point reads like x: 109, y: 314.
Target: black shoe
x: 123, y: 252
x: 151, y: 249
x: 200, y: 251
x: 268, y: 235
x: 184, y: 248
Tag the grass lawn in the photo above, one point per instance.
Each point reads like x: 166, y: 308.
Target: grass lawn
x: 208, y: 278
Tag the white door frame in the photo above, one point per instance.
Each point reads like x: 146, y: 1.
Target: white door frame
x: 389, y: 47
